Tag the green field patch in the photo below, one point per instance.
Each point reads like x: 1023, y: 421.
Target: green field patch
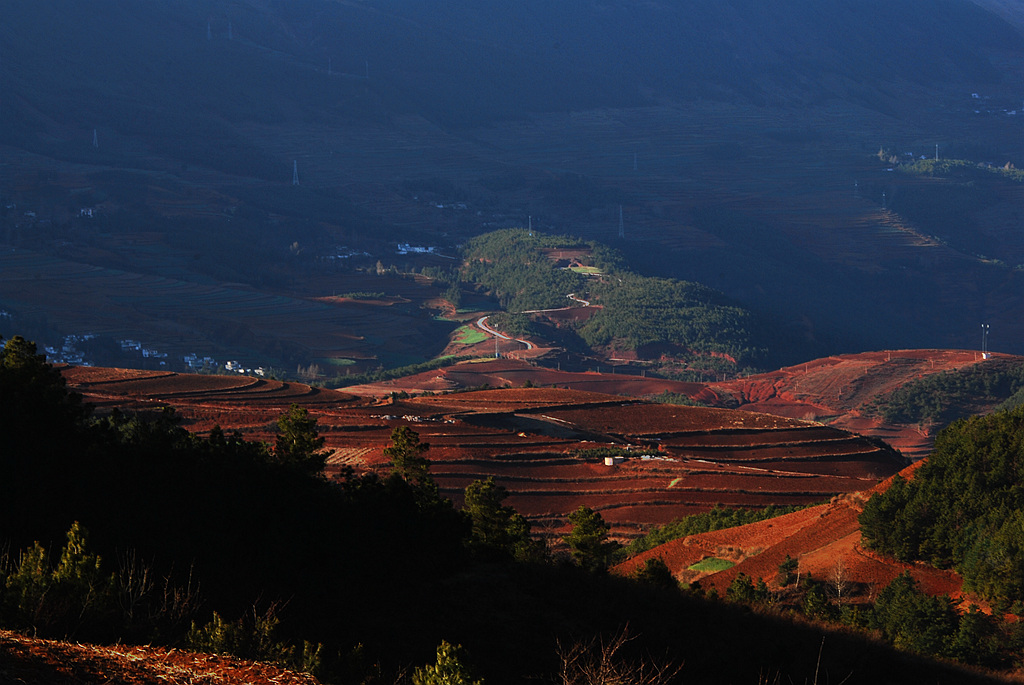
x: 586, y: 270
x: 675, y: 481
x: 338, y: 361
x: 712, y: 565
x: 469, y: 335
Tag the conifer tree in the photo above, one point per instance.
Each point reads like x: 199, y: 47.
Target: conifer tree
x: 406, y: 455
x: 498, y: 528
x: 299, y: 442
x: 588, y: 539
x: 448, y: 670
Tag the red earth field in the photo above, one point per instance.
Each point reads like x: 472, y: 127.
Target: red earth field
x: 682, y: 459
x: 834, y: 391
x: 826, y: 541
x: 499, y: 373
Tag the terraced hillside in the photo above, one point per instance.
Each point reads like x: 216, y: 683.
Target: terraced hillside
x: 839, y: 391
x: 534, y: 442
x: 826, y: 540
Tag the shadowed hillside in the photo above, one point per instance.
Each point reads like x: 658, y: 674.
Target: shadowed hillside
x: 740, y: 143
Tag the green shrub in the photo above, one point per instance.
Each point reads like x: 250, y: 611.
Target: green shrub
x: 247, y: 638
x: 76, y: 596
x: 448, y: 670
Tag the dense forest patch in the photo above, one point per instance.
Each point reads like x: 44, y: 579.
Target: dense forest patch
x: 942, y: 397
x: 681, y: 319
x: 964, y: 508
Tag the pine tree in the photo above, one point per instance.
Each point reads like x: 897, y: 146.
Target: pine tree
x: 588, y: 539
x: 498, y: 528
x: 406, y: 455
x: 299, y: 442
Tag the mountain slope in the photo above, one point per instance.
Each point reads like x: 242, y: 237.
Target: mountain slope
x: 1010, y: 10
x: 736, y: 138
x: 824, y: 538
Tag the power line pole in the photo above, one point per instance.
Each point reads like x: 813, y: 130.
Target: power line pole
x: 295, y: 172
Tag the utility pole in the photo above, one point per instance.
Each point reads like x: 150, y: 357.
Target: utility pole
x: 95, y: 139
x: 622, y: 229
x: 295, y: 172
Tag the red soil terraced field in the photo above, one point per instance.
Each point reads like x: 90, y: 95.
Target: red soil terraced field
x: 685, y: 459
x: 499, y: 373
x: 48, y: 662
x: 835, y: 391
x: 250, y: 405
x: 826, y: 540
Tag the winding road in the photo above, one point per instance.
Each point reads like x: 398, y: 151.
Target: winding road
x: 482, y: 325
x: 482, y: 321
